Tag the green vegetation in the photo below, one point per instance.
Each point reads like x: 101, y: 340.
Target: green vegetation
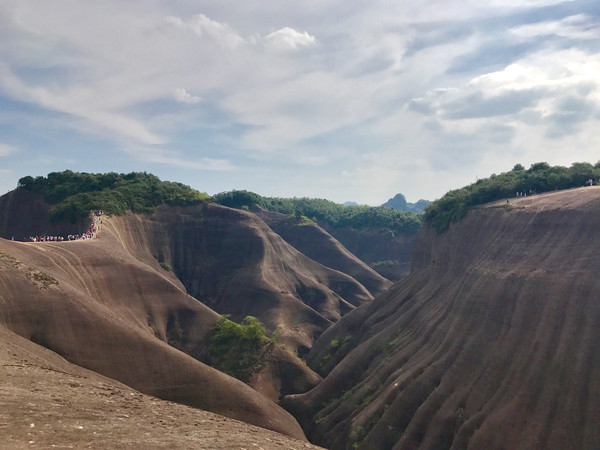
x: 387, y: 262
x: 75, y: 194
x: 540, y: 177
x: 334, y: 346
x: 9, y: 259
x: 165, y: 266
x: 359, y: 217
x: 238, y: 349
x: 40, y: 279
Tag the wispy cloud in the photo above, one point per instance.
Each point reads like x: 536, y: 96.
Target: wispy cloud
x: 203, y: 26
x: 6, y: 149
x: 579, y: 26
x: 413, y: 95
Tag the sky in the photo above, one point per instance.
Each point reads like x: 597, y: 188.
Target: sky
x: 344, y: 100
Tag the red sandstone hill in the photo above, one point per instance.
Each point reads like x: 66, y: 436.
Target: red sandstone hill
x: 24, y: 214
x: 235, y: 264
x: 119, y: 306
x: 388, y: 254
x: 316, y: 243
x: 97, y: 306
x: 491, y: 342
x: 228, y: 259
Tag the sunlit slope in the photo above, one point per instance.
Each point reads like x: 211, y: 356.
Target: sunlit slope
x: 96, y: 305
x: 491, y: 342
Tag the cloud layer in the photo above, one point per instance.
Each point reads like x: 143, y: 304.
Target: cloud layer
x: 345, y: 100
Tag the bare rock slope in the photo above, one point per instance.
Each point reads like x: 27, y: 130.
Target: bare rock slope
x: 319, y: 245
x: 389, y: 254
x: 99, y: 307
x: 46, y: 402
x: 491, y: 342
x: 235, y: 264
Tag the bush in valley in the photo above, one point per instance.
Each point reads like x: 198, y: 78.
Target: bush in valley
x: 334, y: 214
x: 387, y: 262
x: 238, y: 349
x: 540, y: 177
x: 75, y: 194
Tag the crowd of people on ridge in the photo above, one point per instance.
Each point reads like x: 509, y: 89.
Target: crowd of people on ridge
x: 92, y: 233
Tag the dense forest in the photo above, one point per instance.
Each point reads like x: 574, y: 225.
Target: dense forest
x: 75, y: 194
x: 540, y: 177
x: 320, y: 210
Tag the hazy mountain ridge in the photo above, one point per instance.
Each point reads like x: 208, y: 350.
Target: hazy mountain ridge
x: 398, y: 201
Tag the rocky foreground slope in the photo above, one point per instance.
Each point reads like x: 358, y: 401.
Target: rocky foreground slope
x: 46, y: 402
x: 491, y: 342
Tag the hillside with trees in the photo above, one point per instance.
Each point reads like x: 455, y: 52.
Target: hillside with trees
x: 398, y: 201
x: 380, y: 236
x: 540, y: 177
x: 321, y: 210
x: 73, y: 194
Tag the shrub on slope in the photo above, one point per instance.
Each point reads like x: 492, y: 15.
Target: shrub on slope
x: 238, y: 349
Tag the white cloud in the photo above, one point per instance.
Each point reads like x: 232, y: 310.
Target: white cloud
x: 182, y: 96
x: 110, y: 68
x: 579, y: 26
x: 203, y: 26
x: 288, y: 38
x: 6, y: 149
x: 538, y: 86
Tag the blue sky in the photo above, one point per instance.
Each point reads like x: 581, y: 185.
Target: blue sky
x: 344, y: 100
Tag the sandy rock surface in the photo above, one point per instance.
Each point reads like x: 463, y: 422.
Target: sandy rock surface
x: 46, y: 402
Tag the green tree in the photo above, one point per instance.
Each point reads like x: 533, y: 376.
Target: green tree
x: 238, y: 349
x: 74, y: 194
x: 540, y: 177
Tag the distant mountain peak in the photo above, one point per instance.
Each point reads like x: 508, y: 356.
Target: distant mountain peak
x: 398, y: 201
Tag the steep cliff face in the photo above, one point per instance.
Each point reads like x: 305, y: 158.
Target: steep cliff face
x: 387, y: 253
x: 489, y: 343
x: 24, y: 214
x: 228, y: 259
x: 316, y: 243
x: 96, y: 305
x: 234, y: 263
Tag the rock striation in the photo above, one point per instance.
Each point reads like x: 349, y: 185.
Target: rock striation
x: 491, y: 342
x: 97, y: 306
